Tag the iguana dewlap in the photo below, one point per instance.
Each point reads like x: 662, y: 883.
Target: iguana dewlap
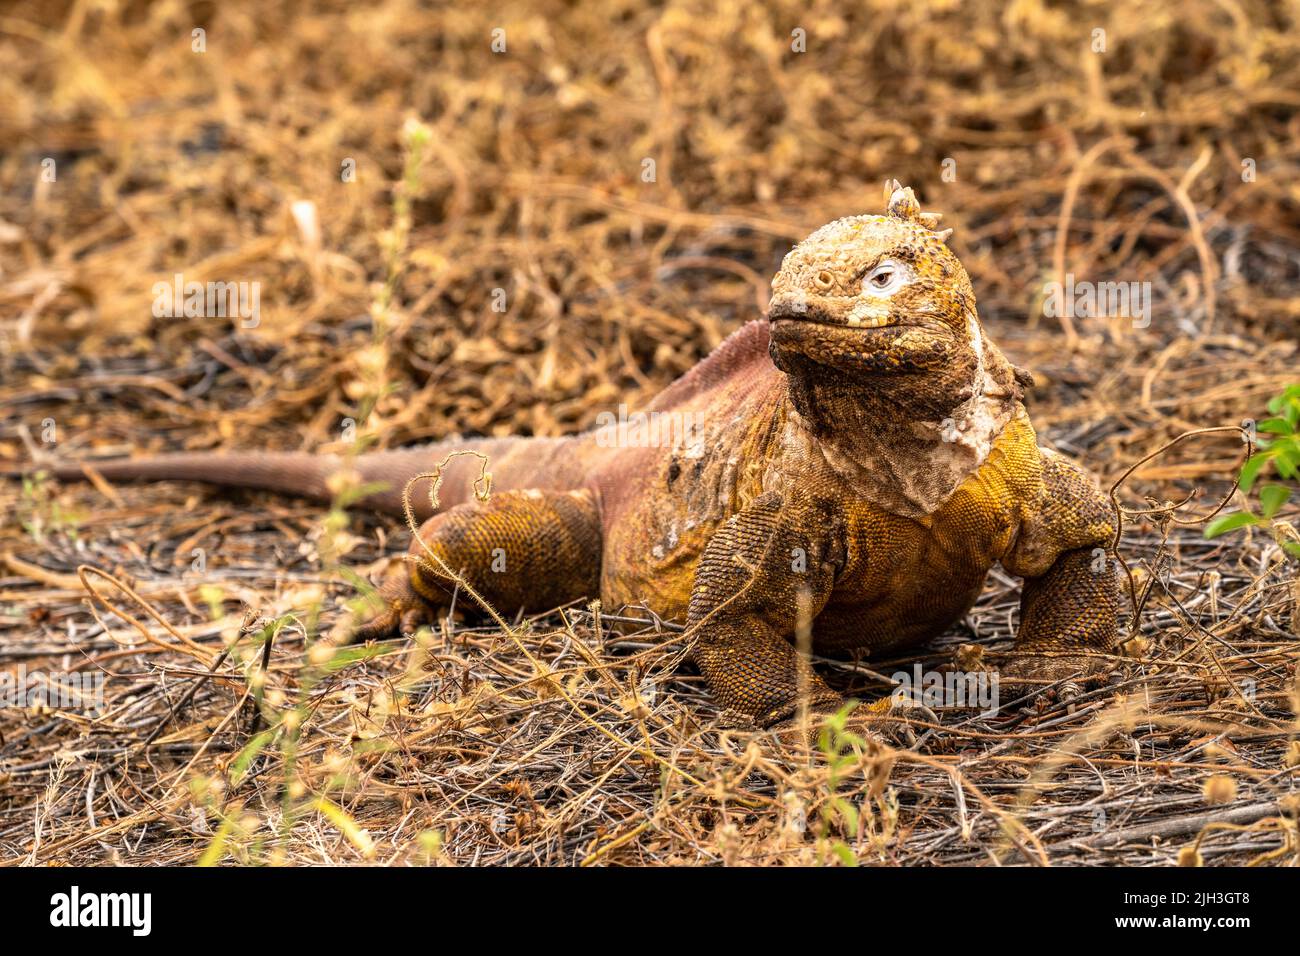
x: 858, y: 463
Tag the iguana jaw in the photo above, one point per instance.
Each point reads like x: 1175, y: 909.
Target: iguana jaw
x: 860, y: 339
x: 850, y: 315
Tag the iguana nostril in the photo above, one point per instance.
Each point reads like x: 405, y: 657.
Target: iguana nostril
x: 823, y: 280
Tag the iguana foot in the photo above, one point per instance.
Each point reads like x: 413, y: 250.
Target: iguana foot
x: 1061, y: 677
x: 403, y: 609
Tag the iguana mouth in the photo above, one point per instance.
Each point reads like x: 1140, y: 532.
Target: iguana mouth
x: 855, y: 319
x: 860, y: 316
x: 860, y: 319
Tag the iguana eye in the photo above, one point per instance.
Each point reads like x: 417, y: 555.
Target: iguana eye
x: 885, y: 279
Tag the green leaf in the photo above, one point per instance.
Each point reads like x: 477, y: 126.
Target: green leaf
x: 217, y: 848
x: 1272, y: 498
x: 1287, y: 404
x: 349, y: 496
x: 845, y: 854
x: 345, y: 656
x: 824, y: 740
x: 1250, y: 470
x: 1230, y: 523
x: 349, y: 827
x: 848, y: 812
x: 1287, y: 459
x: 1292, y: 548
x: 1274, y: 426
x: 239, y: 767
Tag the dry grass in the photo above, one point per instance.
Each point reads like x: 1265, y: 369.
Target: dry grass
x: 563, y: 739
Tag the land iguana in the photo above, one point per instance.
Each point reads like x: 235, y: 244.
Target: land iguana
x: 857, y: 463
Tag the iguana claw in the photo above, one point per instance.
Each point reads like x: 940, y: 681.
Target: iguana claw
x: 403, y: 612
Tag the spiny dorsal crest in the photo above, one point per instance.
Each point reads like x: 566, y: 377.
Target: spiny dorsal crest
x: 900, y: 202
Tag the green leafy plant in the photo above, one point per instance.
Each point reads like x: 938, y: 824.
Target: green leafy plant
x: 277, y: 736
x: 839, y: 747
x: 1279, y: 455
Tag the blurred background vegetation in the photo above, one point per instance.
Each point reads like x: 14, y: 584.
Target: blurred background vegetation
x: 1103, y: 140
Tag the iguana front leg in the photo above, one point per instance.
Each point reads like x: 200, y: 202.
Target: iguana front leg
x: 1069, y: 618
x: 757, y: 576
x: 1069, y: 606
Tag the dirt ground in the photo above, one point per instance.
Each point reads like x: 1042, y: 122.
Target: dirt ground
x: 624, y: 179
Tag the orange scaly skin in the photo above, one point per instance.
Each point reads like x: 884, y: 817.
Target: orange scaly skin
x: 862, y: 459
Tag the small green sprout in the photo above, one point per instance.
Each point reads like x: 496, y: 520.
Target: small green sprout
x: 1280, y: 455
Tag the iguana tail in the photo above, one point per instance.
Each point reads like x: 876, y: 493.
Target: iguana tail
x: 514, y: 462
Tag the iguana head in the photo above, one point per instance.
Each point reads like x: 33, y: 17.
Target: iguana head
x: 875, y: 295
x: 873, y: 321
